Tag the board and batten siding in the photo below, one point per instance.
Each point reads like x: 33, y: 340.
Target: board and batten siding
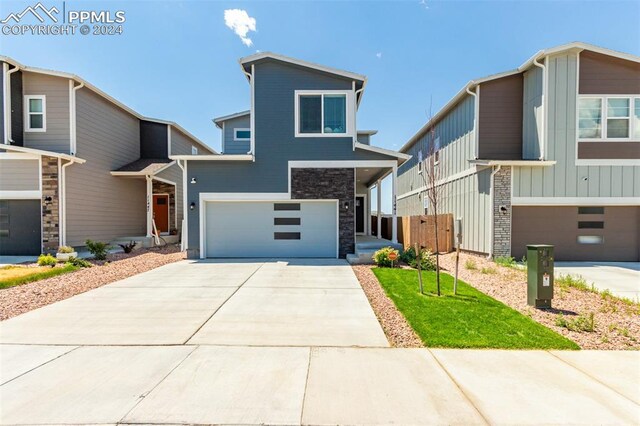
x: 532, y: 114
x: 100, y: 206
x: 230, y: 145
x: 565, y: 178
x: 19, y: 174
x: 57, y: 137
x: 174, y: 174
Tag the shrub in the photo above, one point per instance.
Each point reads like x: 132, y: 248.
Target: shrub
x: 488, y: 271
x: 470, y: 265
x: 571, y: 281
x: 428, y: 260
x: 65, y: 249
x: 97, y: 249
x: 408, y: 256
x: 47, y: 260
x: 81, y: 263
x: 580, y: 323
x: 128, y: 248
x: 381, y: 257
x: 506, y: 261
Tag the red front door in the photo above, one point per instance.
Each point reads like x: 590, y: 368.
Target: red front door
x: 161, y: 212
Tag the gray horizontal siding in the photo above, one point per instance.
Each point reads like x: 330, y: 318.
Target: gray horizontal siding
x: 181, y: 144
x: 457, y: 141
x: 100, y: 206
x: 56, y: 89
x: 565, y: 179
x: 230, y: 145
x: 19, y: 175
x: 174, y: 174
x: 467, y: 198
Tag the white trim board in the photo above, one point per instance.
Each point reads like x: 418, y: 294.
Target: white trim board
x: 20, y: 195
x: 575, y: 201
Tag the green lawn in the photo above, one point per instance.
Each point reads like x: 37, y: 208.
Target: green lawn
x: 15, y: 275
x: 469, y: 320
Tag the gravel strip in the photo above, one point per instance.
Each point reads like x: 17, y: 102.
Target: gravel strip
x: 27, y: 297
x: 394, y: 324
x: 617, y: 324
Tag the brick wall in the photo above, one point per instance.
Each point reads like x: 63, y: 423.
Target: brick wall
x: 50, y: 209
x: 332, y: 184
x: 502, y: 219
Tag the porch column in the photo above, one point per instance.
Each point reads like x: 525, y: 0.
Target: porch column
x: 394, y: 218
x: 149, y: 206
x: 378, y: 214
x: 367, y: 214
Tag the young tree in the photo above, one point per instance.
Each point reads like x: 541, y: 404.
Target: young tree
x: 433, y: 172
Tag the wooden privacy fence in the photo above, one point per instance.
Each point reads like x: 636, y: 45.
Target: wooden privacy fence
x: 421, y: 230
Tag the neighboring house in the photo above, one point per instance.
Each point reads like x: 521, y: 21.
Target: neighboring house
x: 295, y: 176
x: 77, y: 164
x: 546, y: 153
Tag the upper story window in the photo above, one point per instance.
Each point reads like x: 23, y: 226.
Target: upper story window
x: 241, y: 135
x: 194, y: 150
x: 35, y: 111
x: 604, y: 118
x: 321, y: 113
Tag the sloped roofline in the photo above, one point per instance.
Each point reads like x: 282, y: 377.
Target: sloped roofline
x: 106, y: 96
x: 219, y: 120
x: 525, y: 66
x: 278, y: 57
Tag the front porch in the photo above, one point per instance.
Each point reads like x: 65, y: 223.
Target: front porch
x: 366, y: 246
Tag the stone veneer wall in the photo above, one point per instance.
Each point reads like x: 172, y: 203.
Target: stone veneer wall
x: 167, y: 188
x: 50, y: 209
x: 502, y: 220
x: 311, y: 184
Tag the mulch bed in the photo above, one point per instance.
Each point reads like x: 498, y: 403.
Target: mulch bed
x: 394, y: 324
x: 617, y: 324
x: 27, y: 297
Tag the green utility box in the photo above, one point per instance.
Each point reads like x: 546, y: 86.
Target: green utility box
x: 539, y: 275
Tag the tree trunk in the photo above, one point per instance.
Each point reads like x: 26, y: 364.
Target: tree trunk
x: 419, y: 265
x: 435, y: 216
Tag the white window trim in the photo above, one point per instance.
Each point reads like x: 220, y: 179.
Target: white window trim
x: 237, y: 139
x: 349, y: 115
x: 603, y: 129
x: 27, y: 113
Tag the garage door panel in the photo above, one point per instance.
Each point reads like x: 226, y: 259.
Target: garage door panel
x: 248, y: 229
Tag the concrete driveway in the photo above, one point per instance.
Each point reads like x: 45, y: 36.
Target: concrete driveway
x: 278, y: 342
x: 622, y: 279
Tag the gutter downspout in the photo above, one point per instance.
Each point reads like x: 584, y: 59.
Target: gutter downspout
x: 543, y: 142
x: 63, y: 203
x: 72, y: 116
x: 492, y: 196
x: 476, y: 113
x: 184, y: 243
x: 7, y: 104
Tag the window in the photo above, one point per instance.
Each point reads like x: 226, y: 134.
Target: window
x: 590, y: 239
x: 286, y: 235
x: 194, y: 150
x: 35, y: 112
x: 286, y: 206
x: 608, y: 118
x: 322, y: 114
x: 590, y: 225
x: 241, y: 134
x: 590, y: 210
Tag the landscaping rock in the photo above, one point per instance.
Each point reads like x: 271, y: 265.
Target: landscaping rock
x: 394, y: 324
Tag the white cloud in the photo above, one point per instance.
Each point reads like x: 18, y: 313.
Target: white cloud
x: 424, y: 3
x: 379, y: 55
x: 241, y: 23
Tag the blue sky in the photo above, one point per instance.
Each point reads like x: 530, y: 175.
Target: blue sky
x: 178, y: 60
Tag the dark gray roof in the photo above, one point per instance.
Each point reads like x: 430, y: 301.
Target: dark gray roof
x: 145, y: 165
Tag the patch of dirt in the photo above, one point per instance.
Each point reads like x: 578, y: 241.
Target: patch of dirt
x: 394, y: 324
x: 27, y: 297
x: 617, y: 324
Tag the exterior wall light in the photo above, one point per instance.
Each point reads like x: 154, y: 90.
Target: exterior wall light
x: 48, y: 199
x: 193, y: 180
x: 192, y: 206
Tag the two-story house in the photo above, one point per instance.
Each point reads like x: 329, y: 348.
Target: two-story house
x: 295, y: 174
x: 76, y: 164
x: 545, y: 153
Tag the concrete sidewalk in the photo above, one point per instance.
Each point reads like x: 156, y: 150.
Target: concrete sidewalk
x: 296, y: 385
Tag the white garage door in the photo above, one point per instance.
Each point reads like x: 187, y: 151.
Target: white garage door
x: 271, y: 229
